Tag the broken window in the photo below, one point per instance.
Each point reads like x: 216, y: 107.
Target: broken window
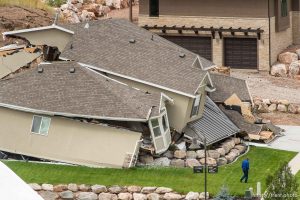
x: 40, y: 125
x: 156, y: 127
x: 154, y: 8
x: 284, y: 8
x: 196, y: 105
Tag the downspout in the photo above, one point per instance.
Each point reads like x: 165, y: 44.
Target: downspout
x: 269, y: 16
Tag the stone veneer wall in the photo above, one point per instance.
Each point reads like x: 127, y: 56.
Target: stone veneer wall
x: 296, y: 26
x: 279, y: 40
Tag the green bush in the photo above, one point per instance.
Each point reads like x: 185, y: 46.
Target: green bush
x: 223, y: 194
x: 56, y: 3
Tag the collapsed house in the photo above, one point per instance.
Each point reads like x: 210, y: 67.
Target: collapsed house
x: 111, y: 88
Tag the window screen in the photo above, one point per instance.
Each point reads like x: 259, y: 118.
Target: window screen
x: 196, y: 105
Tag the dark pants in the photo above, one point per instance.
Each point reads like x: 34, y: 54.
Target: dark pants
x: 245, y: 176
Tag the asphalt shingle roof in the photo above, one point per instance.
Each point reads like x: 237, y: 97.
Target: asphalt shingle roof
x: 82, y: 93
x: 214, y: 125
x: 105, y: 44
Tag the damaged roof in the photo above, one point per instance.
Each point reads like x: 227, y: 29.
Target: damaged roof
x: 121, y: 48
x: 214, y: 125
x: 226, y: 86
x: 67, y: 89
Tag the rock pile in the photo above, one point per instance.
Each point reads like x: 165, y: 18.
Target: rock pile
x: 76, y: 11
x: 288, y: 65
x: 100, y: 192
x: 267, y: 105
x: 224, y: 153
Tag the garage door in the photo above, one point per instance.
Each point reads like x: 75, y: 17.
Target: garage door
x: 240, y: 53
x: 196, y: 44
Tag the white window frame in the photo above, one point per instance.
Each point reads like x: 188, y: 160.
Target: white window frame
x: 193, y: 113
x: 39, y: 133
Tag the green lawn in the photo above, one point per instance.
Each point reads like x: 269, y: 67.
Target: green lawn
x: 263, y: 161
x: 298, y: 178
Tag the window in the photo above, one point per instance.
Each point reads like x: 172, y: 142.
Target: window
x: 154, y: 8
x: 284, y: 8
x: 165, y: 123
x: 196, y: 105
x: 156, y: 127
x: 40, y: 125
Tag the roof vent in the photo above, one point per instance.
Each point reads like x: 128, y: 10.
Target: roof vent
x: 182, y: 55
x: 86, y: 26
x: 132, y: 41
x: 72, y: 70
x: 40, y: 70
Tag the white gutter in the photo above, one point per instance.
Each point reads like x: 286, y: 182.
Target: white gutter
x: 38, y: 29
x: 137, y: 80
x: 20, y: 108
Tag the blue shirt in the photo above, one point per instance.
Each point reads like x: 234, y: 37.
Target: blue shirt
x: 245, y: 165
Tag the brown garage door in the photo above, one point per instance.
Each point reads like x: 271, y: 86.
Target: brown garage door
x: 240, y: 53
x: 196, y: 44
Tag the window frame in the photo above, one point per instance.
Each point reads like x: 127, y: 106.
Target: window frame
x: 151, y: 9
x: 40, y: 125
x: 284, y: 8
x: 193, y: 114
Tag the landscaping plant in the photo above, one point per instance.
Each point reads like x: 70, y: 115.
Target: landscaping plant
x: 223, y: 194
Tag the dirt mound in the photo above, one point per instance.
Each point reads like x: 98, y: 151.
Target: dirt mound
x: 15, y: 17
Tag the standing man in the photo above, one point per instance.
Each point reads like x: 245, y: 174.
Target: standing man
x: 245, y: 168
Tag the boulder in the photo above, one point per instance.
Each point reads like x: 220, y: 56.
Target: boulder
x: 221, y: 151
x: 213, y: 154
x: 202, y: 195
x: 236, y: 151
x: 294, y: 68
x: 293, y: 109
x: 84, y: 187
x: 287, y: 57
x: 153, y: 196
x: 146, y: 159
x: 180, y: 154
x: 108, y: 196
x: 200, y: 154
x: 94, y: 8
x: 237, y: 140
x: 263, y: 108
x: 192, y: 196
x: 134, y: 189
x: 66, y: 194
x: 284, y: 102
x: 222, y: 161
x: 87, y: 16
x: 172, y: 196
x: 177, y: 163
x: 60, y: 188
x: 191, y: 162
x: 241, y: 148
x: 191, y: 154
x: 87, y: 196
x: 298, y: 53
x: 73, y: 187
x: 35, y: 186
x: 148, y: 190
x: 98, y: 189
x: 48, y: 195
x: 210, y: 161
x: 125, y: 196
x: 47, y: 187
x: 282, y: 108
x: 139, y: 196
x: 162, y: 162
x: 266, y: 101
x: 169, y: 154
x: 298, y: 110
x: 163, y: 190
x: 231, y: 157
x: 272, y: 107
x: 115, y: 189
x: 278, y: 70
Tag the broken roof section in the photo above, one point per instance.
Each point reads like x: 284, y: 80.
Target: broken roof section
x: 214, y: 125
x: 68, y: 89
x: 121, y: 48
x: 227, y: 86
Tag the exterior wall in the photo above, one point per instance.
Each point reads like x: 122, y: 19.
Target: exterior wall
x: 68, y: 140
x: 236, y: 22
x: 280, y: 40
x: 282, y: 23
x: 179, y: 112
x: 296, y: 26
x: 221, y: 8
x: 52, y: 37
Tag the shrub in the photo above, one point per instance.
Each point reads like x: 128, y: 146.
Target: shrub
x: 223, y: 194
x: 56, y: 3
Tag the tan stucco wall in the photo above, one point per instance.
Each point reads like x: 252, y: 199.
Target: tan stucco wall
x: 68, y: 140
x: 51, y: 37
x: 296, y: 26
x: 178, y: 113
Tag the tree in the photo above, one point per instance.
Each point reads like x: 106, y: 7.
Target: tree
x: 282, y: 185
x: 223, y: 194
